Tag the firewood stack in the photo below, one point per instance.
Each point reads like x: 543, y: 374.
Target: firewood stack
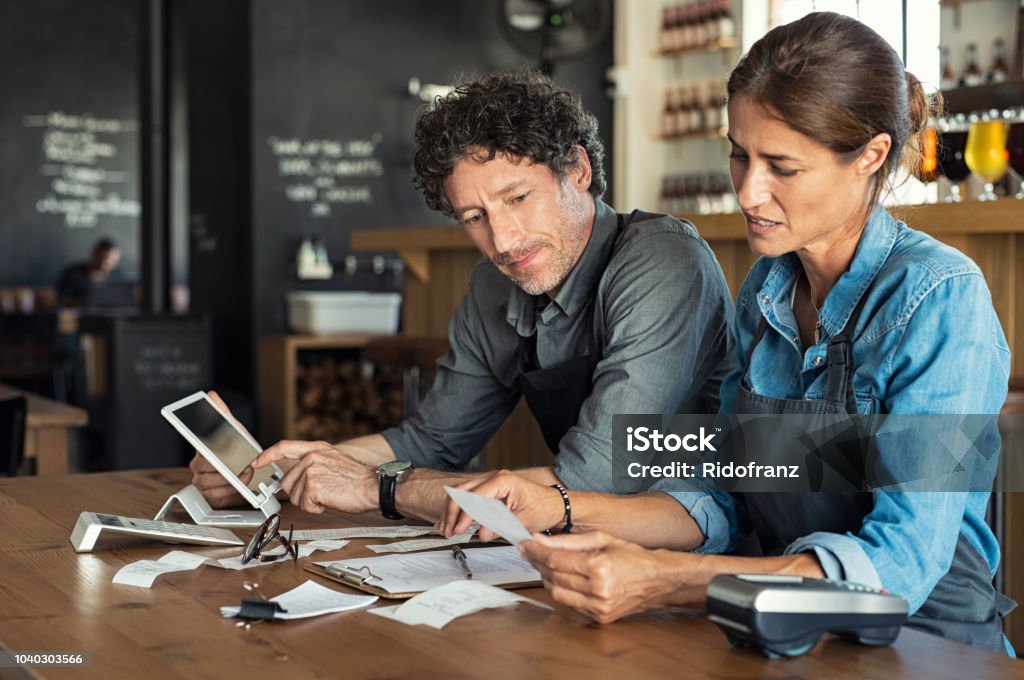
x: 340, y: 398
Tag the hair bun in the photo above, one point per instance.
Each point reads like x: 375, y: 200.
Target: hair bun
x: 922, y: 108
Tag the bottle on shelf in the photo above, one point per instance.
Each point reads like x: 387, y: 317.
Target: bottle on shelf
x: 696, y: 24
x: 683, y: 106
x: 713, y: 30
x: 972, y: 75
x: 323, y: 260
x: 665, y: 37
x: 685, y: 35
x: 668, y: 114
x: 674, y: 204
x: 1000, y: 69
x: 700, y: 29
x: 948, y: 80
x: 1018, y: 58
x: 696, y: 109
x: 311, y: 260
x: 697, y: 194
x: 729, y: 202
x: 681, y: 29
x: 726, y: 24
x: 721, y: 194
x: 711, y: 108
x: 305, y: 257
x: 703, y: 194
x: 680, y: 195
x: 665, y: 197
x: 687, y: 194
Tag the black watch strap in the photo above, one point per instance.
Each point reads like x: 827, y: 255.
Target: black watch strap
x: 387, y: 497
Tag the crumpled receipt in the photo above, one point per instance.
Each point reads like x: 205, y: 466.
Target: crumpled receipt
x: 144, y: 573
x: 440, y: 606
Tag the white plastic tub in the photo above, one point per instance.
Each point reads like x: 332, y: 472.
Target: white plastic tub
x: 343, y: 312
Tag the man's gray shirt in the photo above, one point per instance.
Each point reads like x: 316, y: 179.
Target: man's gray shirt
x: 653, y: 302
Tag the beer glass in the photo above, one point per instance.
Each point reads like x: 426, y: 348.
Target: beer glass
x: 1015, y: 148
x: 985, y: 153
x: 950, y: 154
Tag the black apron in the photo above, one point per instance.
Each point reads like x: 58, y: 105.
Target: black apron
x: 555, y: 395
x: 963, y: 606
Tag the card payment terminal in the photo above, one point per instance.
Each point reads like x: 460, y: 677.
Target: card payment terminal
x: 786, y: 615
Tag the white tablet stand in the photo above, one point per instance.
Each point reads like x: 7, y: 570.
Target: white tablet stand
x: 201, y: 512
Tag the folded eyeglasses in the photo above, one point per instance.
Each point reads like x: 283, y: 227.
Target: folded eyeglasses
x: 268, y: 531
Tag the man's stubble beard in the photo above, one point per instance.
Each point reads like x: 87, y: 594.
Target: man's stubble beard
x: 573, y: 228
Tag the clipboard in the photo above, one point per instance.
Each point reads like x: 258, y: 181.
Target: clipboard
x: 362, y: 579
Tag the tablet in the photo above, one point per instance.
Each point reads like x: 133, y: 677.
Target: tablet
x: 221, y: 441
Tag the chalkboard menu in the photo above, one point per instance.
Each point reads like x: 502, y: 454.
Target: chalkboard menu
x: 68, y: 133
x: 333, y: 117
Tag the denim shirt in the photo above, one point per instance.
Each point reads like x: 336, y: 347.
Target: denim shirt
x: 928, y: 341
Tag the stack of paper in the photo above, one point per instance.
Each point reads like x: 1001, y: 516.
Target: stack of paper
x: 413, y: 573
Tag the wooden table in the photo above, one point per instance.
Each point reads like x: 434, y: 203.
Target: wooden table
x: 56, y: 600
x: 46, y: 429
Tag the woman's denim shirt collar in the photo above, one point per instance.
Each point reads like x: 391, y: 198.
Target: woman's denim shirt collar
x: 775, y: 294
x: 906, y: 275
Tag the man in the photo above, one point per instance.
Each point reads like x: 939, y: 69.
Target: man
x: 75, y: 280
x: 584, y: 312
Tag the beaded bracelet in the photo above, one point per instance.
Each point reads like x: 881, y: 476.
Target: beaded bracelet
x: 568, y: 507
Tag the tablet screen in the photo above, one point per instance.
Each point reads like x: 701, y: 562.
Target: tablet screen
x: 219, y: 436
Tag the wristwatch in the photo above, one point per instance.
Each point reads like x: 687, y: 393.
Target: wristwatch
x: 388, y: 474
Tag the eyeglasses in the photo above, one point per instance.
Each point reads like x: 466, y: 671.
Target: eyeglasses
x: 268, y: 531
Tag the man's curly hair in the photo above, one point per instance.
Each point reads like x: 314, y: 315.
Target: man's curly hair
x: 524, y: 115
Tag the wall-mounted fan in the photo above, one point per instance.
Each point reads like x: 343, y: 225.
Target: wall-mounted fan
x: 552, y: 30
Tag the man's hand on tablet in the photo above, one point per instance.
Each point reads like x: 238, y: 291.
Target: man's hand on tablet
x: 323, y: 476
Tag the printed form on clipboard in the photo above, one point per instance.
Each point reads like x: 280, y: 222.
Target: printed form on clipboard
x: 404, y: 575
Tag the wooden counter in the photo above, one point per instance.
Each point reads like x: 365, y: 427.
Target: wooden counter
x: 991, y: 233
x: 59, y: 601
x: 46, y: 429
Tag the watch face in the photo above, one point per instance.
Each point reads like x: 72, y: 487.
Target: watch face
x: 393, y: 467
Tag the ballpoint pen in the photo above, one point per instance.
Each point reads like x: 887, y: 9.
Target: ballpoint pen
x: 461, y: 557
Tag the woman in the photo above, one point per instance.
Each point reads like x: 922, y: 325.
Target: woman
x: 821, y: 112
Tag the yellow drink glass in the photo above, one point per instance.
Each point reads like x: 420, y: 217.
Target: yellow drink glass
x: 986, y: 153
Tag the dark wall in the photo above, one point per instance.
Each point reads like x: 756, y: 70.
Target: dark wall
x: 338, y: 71
x: 220, y: 227
x: 68, y: 134
x: 266, y: 76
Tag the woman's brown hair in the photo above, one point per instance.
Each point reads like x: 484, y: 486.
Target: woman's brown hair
x: 837, y: 81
